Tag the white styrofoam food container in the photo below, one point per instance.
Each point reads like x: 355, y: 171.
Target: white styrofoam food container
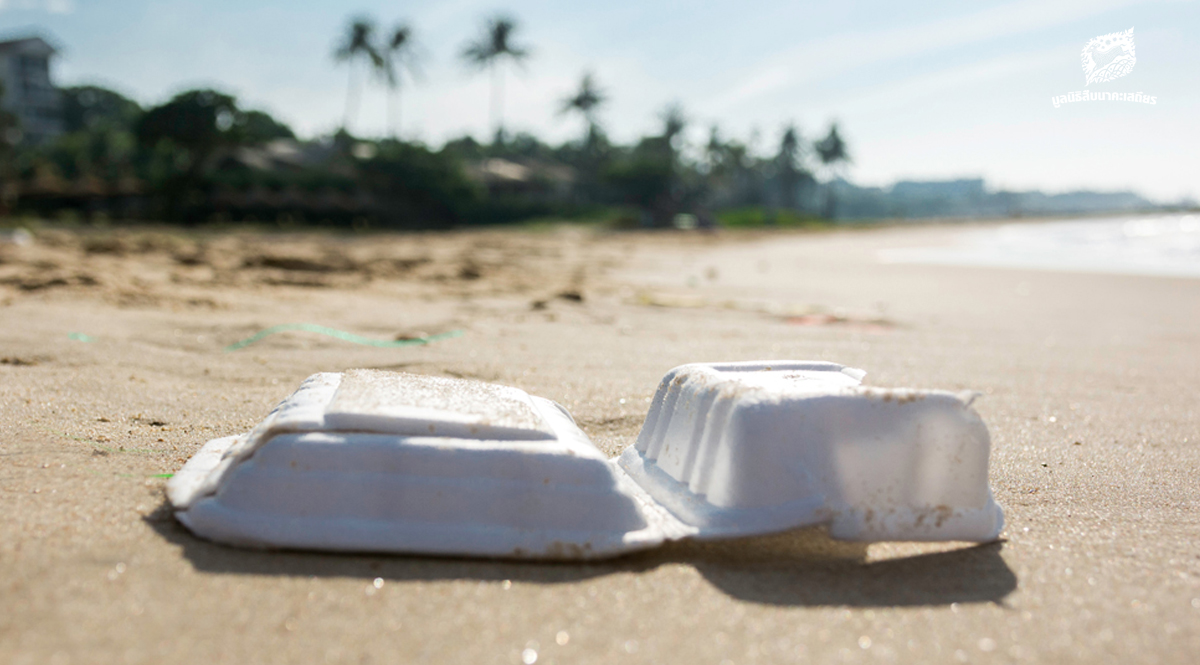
x: 738, y: 449
x: 387, y: 462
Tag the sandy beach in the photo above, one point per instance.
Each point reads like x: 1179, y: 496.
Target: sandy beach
x: 113, y: 372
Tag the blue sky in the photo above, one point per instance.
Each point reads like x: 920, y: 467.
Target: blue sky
x: 921, y: 90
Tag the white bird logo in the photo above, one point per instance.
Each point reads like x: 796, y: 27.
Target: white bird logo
x: 1108, y: 57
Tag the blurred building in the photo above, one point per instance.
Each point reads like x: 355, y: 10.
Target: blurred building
x: 29, y: 93
x: 541, y: 179
x: 965, y: 190
x: 971, y: 198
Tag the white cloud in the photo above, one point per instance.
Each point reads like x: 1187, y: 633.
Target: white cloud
x: 926, y: 88
x: 841, y: 53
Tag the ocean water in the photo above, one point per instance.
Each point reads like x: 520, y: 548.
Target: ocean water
x: 1161, y: 245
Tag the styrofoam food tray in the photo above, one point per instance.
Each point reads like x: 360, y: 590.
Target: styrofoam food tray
x: 388, y: 462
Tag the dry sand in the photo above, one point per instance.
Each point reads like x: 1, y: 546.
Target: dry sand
x: 1089, y: 386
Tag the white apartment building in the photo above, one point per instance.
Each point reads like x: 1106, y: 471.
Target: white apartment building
x: 28, y: 91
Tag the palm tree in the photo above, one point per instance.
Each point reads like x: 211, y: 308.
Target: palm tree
x: 714, y: 151
x: 674, y: 122
x: 358, y: 43
x: 399, y: 53
x: 787, y: 164
x: 831, y: 150
x: 586, y: 100
x: 488, y: 52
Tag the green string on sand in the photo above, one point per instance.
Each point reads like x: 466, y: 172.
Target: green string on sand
x: 80, y: 337
x: 342, y: 335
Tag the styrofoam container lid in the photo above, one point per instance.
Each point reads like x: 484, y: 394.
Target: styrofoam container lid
x: 380, y: 461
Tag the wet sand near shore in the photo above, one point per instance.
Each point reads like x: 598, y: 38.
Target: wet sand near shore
x: 1088, y: 386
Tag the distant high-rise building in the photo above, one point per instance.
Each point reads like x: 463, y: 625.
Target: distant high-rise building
x: 29, y: 93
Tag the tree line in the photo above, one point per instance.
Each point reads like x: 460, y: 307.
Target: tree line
x: 201, y: 156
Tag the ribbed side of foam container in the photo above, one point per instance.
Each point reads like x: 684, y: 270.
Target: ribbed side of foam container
x: 740, y: 448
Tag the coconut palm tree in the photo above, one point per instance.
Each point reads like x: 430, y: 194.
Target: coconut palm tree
x: 488, y: 52
x: 674, y: 122
x: 358, y: 43
x: 399, y: 54
x: 714, y: 151
x: 586, y: 100
x: 594, y: 146
x: 788, y: 166
x: 832, y: 149
x: 832, y: 152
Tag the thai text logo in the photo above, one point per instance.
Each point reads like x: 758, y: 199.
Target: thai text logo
x: 1106, y: 58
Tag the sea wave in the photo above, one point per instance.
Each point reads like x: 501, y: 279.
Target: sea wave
x: 1161, y: 245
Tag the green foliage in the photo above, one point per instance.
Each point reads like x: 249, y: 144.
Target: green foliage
x: 90, y: 108
x: 674, y: 122
x: 494, y: 43
x: 757, y: 216
x: 101, y: 152
x: 586, y: 100
x: 359, y: 42
x: 523, y: 145
x: 259, y: 127
x: 833, y: 153
x: 98, y: 152
x: 200, y: 156
x: 9, y: 126
x: 652, y: 176
x: 789, y: 168
x: 465, y: 149
x: 832, y: 149
x: 418, y: 188
x: 197, y: 122
x: 182, y: 134
x: 644, y: 178
x: 9, y: 135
